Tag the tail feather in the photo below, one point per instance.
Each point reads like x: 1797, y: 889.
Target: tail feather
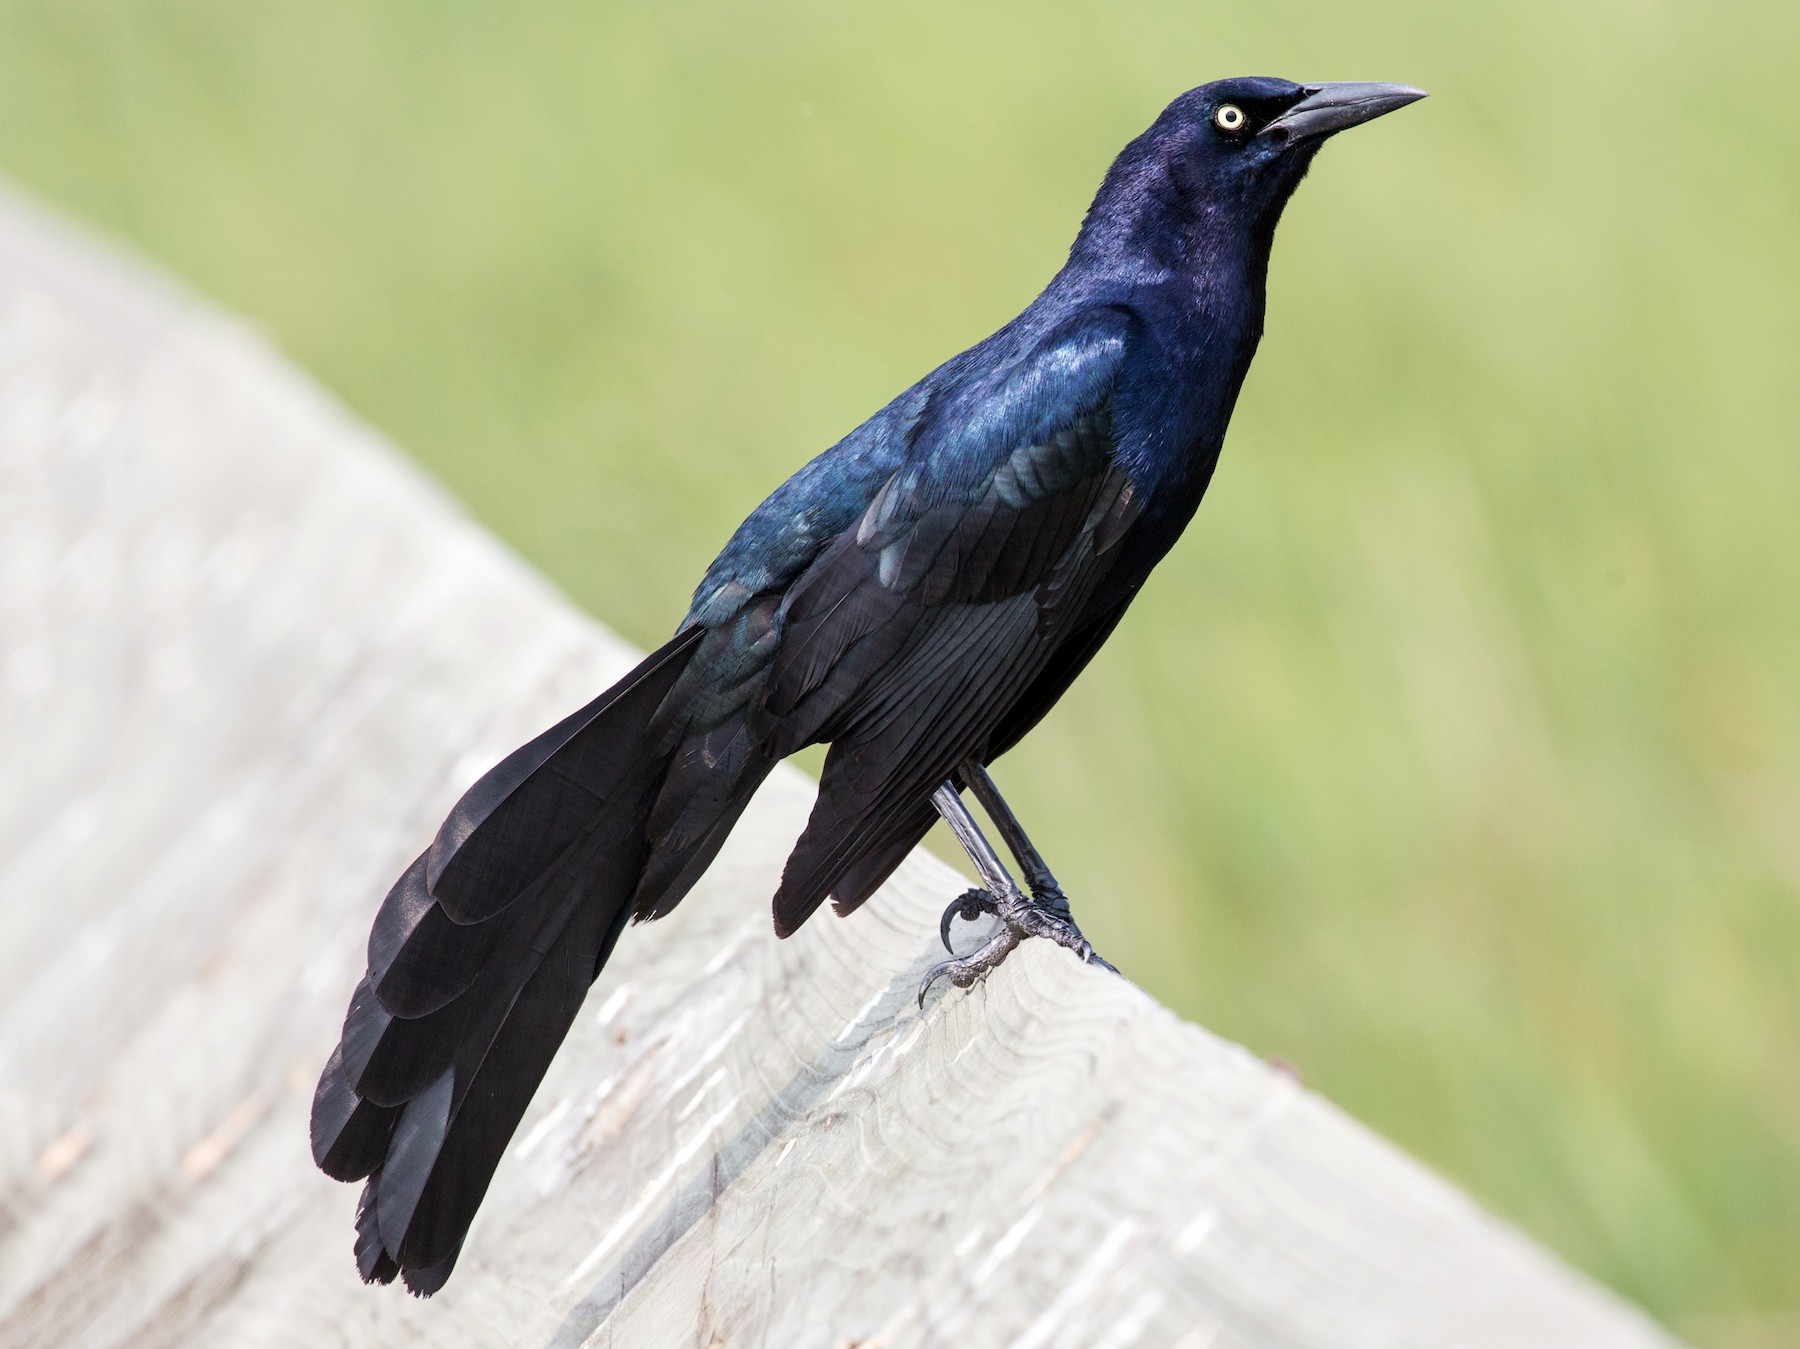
x: 390, y: 1059
x: 419, y: 956
x: 673, y: 872
x: 372, y: 1259
x: 479, y: 960
x: 711, y: 778
x: 514, y: 823
x: 349, y: 1135
x: 430, y: 1190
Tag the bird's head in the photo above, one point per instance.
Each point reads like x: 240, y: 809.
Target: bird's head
x: 1222, y: 160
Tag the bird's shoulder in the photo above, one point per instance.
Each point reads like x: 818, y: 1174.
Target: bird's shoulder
x: 1021, y: 414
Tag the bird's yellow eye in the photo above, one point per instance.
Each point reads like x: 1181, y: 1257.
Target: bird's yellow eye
x: 1229, y: 117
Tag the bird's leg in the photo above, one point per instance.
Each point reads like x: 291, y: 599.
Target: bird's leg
x: 1043, y: 885
x: 1020, y: 916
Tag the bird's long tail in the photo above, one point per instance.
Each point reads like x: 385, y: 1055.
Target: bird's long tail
x: 482, y: 953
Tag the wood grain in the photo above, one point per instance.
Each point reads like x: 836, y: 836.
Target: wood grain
x: 250, y: 657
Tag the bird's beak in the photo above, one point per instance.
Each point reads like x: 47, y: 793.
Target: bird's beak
x: 1330, y: 108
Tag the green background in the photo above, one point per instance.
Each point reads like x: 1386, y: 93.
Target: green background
x: 1455, y: 755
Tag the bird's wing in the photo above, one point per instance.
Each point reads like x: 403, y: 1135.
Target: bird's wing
x: 909, y: 637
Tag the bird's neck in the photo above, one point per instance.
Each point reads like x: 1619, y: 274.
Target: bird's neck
x: 1195, y: 274
x: 1146, y: 225
x: 1196, y: 280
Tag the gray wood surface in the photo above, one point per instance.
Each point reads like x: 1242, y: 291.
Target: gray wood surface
x: 248, y: 657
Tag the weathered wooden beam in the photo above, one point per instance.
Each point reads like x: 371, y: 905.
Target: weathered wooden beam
x: 250, y: 658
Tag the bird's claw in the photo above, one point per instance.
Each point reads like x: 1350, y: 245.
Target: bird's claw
x: 966, y: 971
x: 968, y: 906
x: 1093, y: 957
x: 1020, y: 918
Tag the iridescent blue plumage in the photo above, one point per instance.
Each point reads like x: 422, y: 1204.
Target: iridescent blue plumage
x: 918, y: 596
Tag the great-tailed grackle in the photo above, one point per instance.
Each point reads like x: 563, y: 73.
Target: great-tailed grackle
x: 918, y: 596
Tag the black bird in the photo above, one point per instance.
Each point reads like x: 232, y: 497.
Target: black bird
x: 918, y: 596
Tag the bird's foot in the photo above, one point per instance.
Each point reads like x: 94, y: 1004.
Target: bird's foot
x: 1020, y: 917
x: 968, y: 906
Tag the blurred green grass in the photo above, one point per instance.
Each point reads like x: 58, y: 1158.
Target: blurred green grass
x: 1455, y: 755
